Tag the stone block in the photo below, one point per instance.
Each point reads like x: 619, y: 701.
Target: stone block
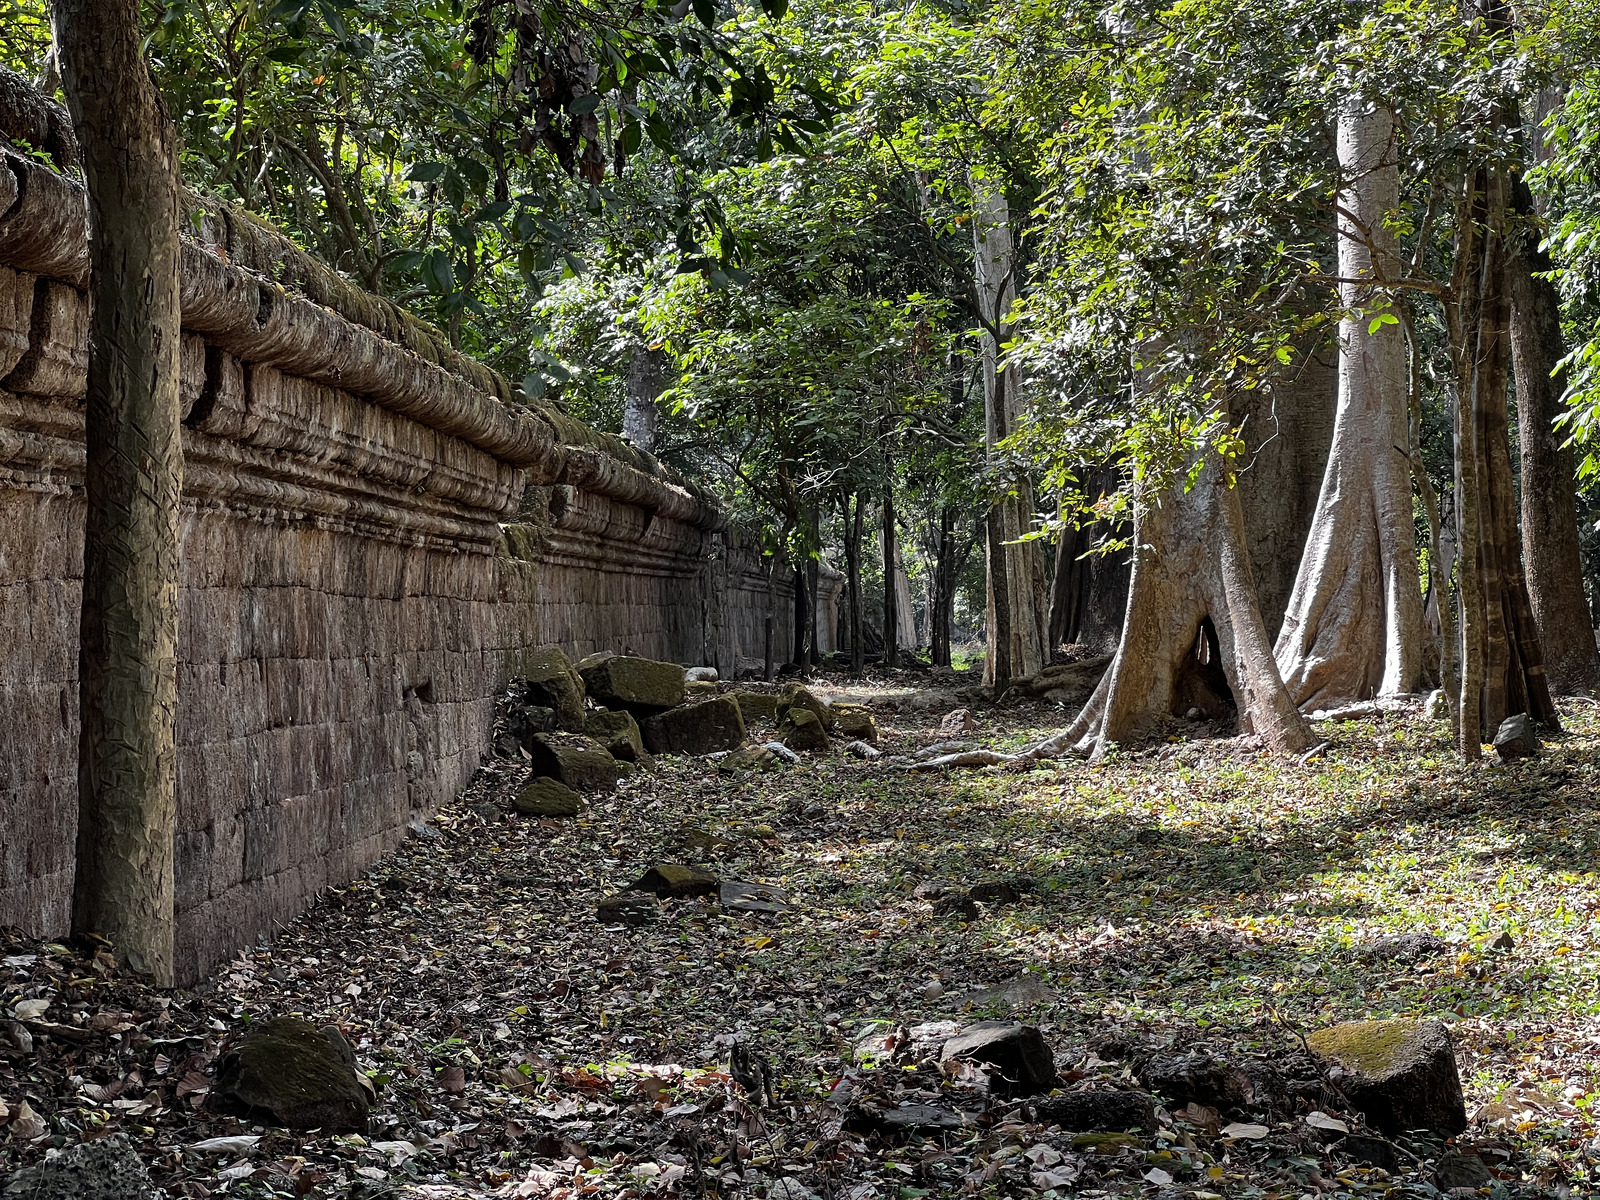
x: 702, y: 728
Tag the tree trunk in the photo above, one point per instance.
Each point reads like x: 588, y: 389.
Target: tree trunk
x: 891, y: 579
x: 852, y: 566
x: 1549, y: 500
x: 943, y: 588
x: 1193, y: 637
x: 801, y: 623
x: 641, y: 418
x: 127, y: 697
x: 997, y: 665
x: 1353, y: 625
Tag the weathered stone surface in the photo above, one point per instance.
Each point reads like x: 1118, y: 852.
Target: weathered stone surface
x: 1083, y: 1112
x: 757, y: 706
x: 1400, y: 1074
x: 525, y: 720
x: 1455, y: 1170
x: 801, y: 729
x: 699, y: 689
x: 677, y: 880
x: 643, y: 686
x: 1017, y: 1057
x: 1198, y: 1078
x: 580, y: 762
x: 104, y: 1169
x: 1516, y: 738
x: 853, y: 721
x: 549, y: 680
x: 737, y: 895
x: 618, y: 732
x: 999, y: 891
x: 953, y: 902
x: 547, y: 798
x: 633, y: 908
x: 702, y: 728
x: 289, y: 1073
x: 905, y: 1119
x: 701, y: 675
x: 748, y: 758
x: 957, y: 723
x: 797, y: 695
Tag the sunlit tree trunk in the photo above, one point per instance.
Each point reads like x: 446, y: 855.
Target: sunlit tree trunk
x: 1353, y: 627
x: 127, y: 699
x: 641, y: 418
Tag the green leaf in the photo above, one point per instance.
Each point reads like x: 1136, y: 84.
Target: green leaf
x: 425, y: 172
x: 584, y: 105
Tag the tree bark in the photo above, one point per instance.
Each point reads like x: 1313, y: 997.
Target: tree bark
x: 127, y: 699
x: 1549, y: 495
x: 852, y: 562
x: 997, y: 666
x: 641, y: 419
x: 801, y: 624
x: 943, y: 589
x: 891, y: 579
x: 1353, y: 626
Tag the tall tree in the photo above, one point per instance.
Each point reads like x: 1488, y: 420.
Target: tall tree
x: 127, y: 699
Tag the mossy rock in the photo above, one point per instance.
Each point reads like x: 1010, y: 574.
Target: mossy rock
x: 853, y: 721
x: 748, y: 758
x: 547, y: 798
x: 580, y: 762
x: 290, y: 1073
x: 801, y: 729
x: 757, y: 706
x: 643, y: 686
x: 796, y: 695
x: 1401, y: 1074
x: 618, y: 732
x: 1105, y: 1143
x: 702, y: 728
x: 677, y: 880
x: 549, y: 680
x: 700, y: 689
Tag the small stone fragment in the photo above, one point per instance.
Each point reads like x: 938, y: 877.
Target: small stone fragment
x: 701, y: 675
x: 956, y: 903
x: 1084, y: 1112
x: 1401, y: 1074
x: 580, y: 762
x: 547, y: 798
x: 748, y: 758
x: 1516, y: 738
x: 618, y: 732
x: 958, y: 723
x: 802, y: 729
x: 702, y: 728
x: 1454, y: 1170
x: 107, y: 1168
x: 1504, y: 942
x: 676, y: 880
x: 1105, y: 1143
x: 1018, y: 1058
x: 643, y: 686
x: 628, y: 909
x: 782, y: 751
x: 737, y: 895
x: 289, y: 1073
x: 862, y: 749
x: 853, y: 721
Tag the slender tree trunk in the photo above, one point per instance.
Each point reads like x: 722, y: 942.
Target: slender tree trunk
x: 641, y: 418
x: 891, y: 578
x: 852, y: 559
x: 801, y: 620
x: 997, y: 669
x: 1354, y: 626
x: 127, y: 698
x: 1549, y: 497
x: 943, y: 589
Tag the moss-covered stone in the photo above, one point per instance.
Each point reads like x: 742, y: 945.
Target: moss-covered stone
x: 547, y: 798
x: 700, y: 689
x: 1401, y: 1074
x: 702, y: 728
x: 580, y: 762
x: 853, y: 721
x: 796, y: 695
x: 757, y: 706
x: 801, y: 729
x: 643, y: 686
x: 289, y: 1073
x: 549, y: 680
x: 748, y: 758
x: 618, y: 732
x: 677, y: 880
x: 1105, y: 1143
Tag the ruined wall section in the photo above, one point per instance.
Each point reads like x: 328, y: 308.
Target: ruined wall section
x: 361, y: 568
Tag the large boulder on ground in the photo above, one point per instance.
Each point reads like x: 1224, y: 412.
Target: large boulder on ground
x: 853, y: 721
x: 1400, y: 1074
x: 1086, y: 1112
x: 105, y: 1169
x: 757, y: 706
x: 618, y: 732
x: 801, y: 729
x: 643, y: 686
x: 547, y: 798
x: 1017, y: 1057
x: 549, y: 680
x: 677, y: 880
x: 695, y: 728
x: 1516, y: 738
x: 796, y: 695
x: 290, y: 1073
x: 580, y: 762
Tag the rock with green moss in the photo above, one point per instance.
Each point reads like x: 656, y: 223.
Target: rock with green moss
x: 677, y: 881
x: 618, y: 732
x: 801, y: 729
x: 700, y: 689
x: 289, y: 1073
x: 1400, y: 1074
x: 547, y: 798
x: 549, y: 680
x: 643, y: 686
x: 1105, y: 1143
x: 797, y: 696
x: 580, y: 762
x: 853, y: 721
x: 757, y: 706
x: 748, y: 758
x: 702, y: 728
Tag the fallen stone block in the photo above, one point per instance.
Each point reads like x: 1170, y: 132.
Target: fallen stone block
x: 290, y: 1073
x: 736, y: 895
x: 677, y: 881
x: 549, y: 680
x: 757, y: 706
x: 628, y: 909
x: 1516, y: 738
x: 748, y: 758
x: 802, y: 729
x: 1017, y: 1057
x: 853, y: 721
x: 1085, y: 1112
x: 104, y: 1169
x: 953, y: 902
x: 1400, y: 1074
x: 547, y: 798
x: 1200, y: 1079
x: 699, y: 689
x: 580, y: 762
x: 618, y: 732
x: 643, y: 686
x: 958, y: 723
x: 796, y: 695
x: 696, y: 728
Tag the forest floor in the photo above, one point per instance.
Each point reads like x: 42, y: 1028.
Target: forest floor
x: 1194, y: 892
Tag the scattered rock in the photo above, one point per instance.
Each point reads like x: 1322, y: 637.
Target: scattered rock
x: 580, y: 762
x: 525, y: 720
x: 289, y: 1073
x: 643, y: 686
x: 853, y: 721
x: 1083, y: 1112
x: 956, y: 903
x: 701, y: 675
x: 105, y: 1169
x: 1401, y: 1074
x: 618, y: 732
x: 757, y: 706
x: 547, y: 798
x: 1404, y: 947
x: 699, y: 689
x: 1516, y: 738
x: 797, y: 696
x: 737, y: 895
x: 861, y: 749
x: 1455, y: 1170
x: 1105, y: 1143
x: 748, y: 758
x: 802, y: 729
x: 696, y: 728
x: 676, y: 880
x: 957, y: 723
x: 549, y: 680
x: 628, y: 909
x: 782, y: 751
x: 997, y: 891
x: 906, y: 1119
x: 1019, y: 1060
x: 1203, y: 1080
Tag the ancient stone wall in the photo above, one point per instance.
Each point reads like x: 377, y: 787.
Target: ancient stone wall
x: 373, y: 529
